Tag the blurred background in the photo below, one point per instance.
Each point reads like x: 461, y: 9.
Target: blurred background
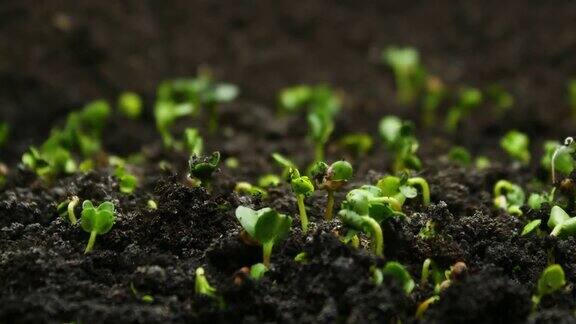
x: 57, y: 55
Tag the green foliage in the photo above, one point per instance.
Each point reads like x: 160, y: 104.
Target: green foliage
x: 516, y: 144
x: 404, y: 187
x: 301, y: 186
x: 257, y: 271
x: 503, y: 100
x: 202, y: 168
x: 460, y: 155
x: 435, y: 92
x: 193, y: 142
x: 97, y: 220
x: 408, y: 72
x: 285, y: 163
x: 397, y: 272
x: 551, y: 280
x: 535, y: 200
x: 202, y: 286
x: 468, y: 100
x: 331, y: 178
x: 127, y: 181
x: 561, y: 224
x: 269, y: 180
x: 130, y: 104
x: 360, y: 144
x: 563, y: 160
x: 4, y: 132
x: 66, y: 209
x: 249, y: 189
x: 399, y: 138
x: 266, y: 226
x: 509, y: 196
x: 531, y: 227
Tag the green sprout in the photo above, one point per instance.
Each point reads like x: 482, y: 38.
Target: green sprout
x: 408, y: 73
x: 283, y: 162
x: 502, y: 99
x: 202, y: 168
x: 166, y: 113
x: 232, y: 163
x: 244, y: 187
x: 193, y: 142
x: 66, y: 209
x: 266, y: 226
x: 398, y: 272
x: 516, y: 144
x: 127, y: 181
x: 151, y: 204
x: 398, y: 137
x: 536, y: 200
x: 468, y: 100
x: 559, y: 157
x: 257, y: 271
x: 269, y: 180
x: 509, y: 197
x: 460, y: 155
x: 364, y: 209
x: 561, y: 224
x: 531, y: 227
x: 360, y: 144
x: 301, y: 186
x: 49, y: 162
x: 202, y: 286
x: 572, y: 96
x: 551, y: 280
x: 97, y: 220
x: 4, y: 132
x: 435, y: 92
x: 130, y: 104
x: 331, y: 178
x: 321, y: 126
x: 404, y: 187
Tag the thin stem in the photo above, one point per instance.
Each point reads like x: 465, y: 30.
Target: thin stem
x: 267, y: 252
x: 500, y: 186
x: 71, y: 206
x: 377, y: 237
x: 425, y: 188
x: 329, y: 206
x: 302, y: 210
x: 91, y: 242
x: 425, y: 271
x: 318, y: 152
x: 556, y: 230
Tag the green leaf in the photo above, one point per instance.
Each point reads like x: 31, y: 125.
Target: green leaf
x: 400, y: 59
x: 408, y: 191
x: 516, y: 145
x: 531, y: 227
x: 98, y: 220
x: 302, y: 185
x: 247, y: 218
x: 283, y: 161
x: 564, y: 163
x: 390, y: 185
x: 360, y: 143
x: 397, y: 271
x: 390, y: 127
x: 557, y: 217
x: 340, y: 171
x: 257, y: 271
x: 294, y: 98
x: 202, y: 168
x: 460, y: 155
x: 130, y: 104
x: 551, y: 280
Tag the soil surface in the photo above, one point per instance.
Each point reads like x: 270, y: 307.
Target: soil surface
x: 59, y: 55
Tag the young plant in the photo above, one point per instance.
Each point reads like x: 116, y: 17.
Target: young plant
x: 202, y: 286
x: 397, y: 272
x: 398, y: 137
x: 404, y: 187
x: 321, y: 126
x: 66, y: 209
x: 435, y: 92
x: 269, y: 180
x: 531, y: 227
x: 460, y: 155
x: 331, y: 178
x: 551, y: 280
x: 97, y: 220
x: 559, y: 157
x: 127, y: 181
x: 509, y: 196
x: 193, y: 142
x: 130, y: 104
x: 468, y: 100
x: 266, y: 226
x: 516, y: 144
x: 536, y: 200
x: 408, y: 73
x: 249, y: 189
x: 285, y: 163
x: 202, y: 168
x: 49, y: 162
x: 165, y: 114
x: 360, y: 144
x: 302, y: 187
x: 561, y: 224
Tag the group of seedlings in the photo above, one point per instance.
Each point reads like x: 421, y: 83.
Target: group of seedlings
x: 76, y: 147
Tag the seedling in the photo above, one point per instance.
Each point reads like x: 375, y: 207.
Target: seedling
x: 531, y: 227
x: 468, y: 100
x: 266, y: 226
x: 509, y: 196
x: 321, y: 126
x: 435, y: 92
x: 151, y: 204
x: 404, y: 187
x: 193, y: 142
x: 232, y: 163
x: 551, y: 280
x: 4, y: 132
x: 535, y: 200
x: 460, y: 155
x: 97, y: 220
x: 257, y: 271
x: 285, y: 163
x: 49, y: 163
x: 397, y: 272
x: 408, y: 73
x: 516, y: 145
x: 202, y: 286
x: 561, y: 224
x: 130, y: 104
x: 360, y: 144
x: 331, y: 178
x: 203, y: 168
x: 166, y: 113
x: 66, y: 209
x: 398, y: 137
x: 302, y: 187
x: 269, y: 180
x: 148, y: 299
x: 249, y: 189
x: 127, y: 181
x: 559, y: 157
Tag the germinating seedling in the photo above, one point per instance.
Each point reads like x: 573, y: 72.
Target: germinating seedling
x: 404, y: 187
x: 516, y: 144
x: 66, y: 209
x: 202, y: 286
x: 408, y: 73
x: 398, y: 137
x: 397, y: 272
x: 360, y: 144
x: 562, y: 158
x: 468, y: 100
x: 331, y: 178
x: 561, y: 224
x: 302, y: 187
x: 551, y: 280
x: 97, y: 220
x: 435, y: 92
x: 130, y: 104
x: 266, y: 226
x: 203, y: 168
x: 285, y: 163
x: 193, y: 142
x: 509, y: 196
x: 244, y: 187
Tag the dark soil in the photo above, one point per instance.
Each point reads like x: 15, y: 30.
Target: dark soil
x: 58, y: 55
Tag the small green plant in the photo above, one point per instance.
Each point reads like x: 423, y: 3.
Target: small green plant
x: 561, y: 224
x: 193, y: 142
x: 536, y: 200
x: 468, y: 100
x: 266, y: 226
x: 130, y: 104
x: 202, y: 286
x: 66, y: 209
x: 516, y: 144
x: 269, y: 180
x: 202, y: 168
x: 408, y: 72
x: 397, y: 272
x: 503, y: 100
x: 360, y: 144
x: 331, y: 178
x: 460, y: 155
x: 404, y: 187
x: 551, y: 280
x: 244, y: 187
x: 559, y: 157
x: 302, y: 187
x: 435, y: 92
x: 285, y: 163
x: 97, y: 220
x: 321, y: 126
x: 398, y: 137
x: 257, y: 271
x: 50, y: 162
x: 509, y: 196
x: 531, y: 227
x: 127, y: 182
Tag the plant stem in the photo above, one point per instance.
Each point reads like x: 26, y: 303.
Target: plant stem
x: 91, y: 242
x: 425, y: 271
x: 425, y: 188
x: 71, y: 206
x: 267, y: 252
x: 302, y: 210
x: 329, y: 206
x: 405, y: 91
x: 377, y: 237
x: 452, y: 120
x: 502, y: 185
x: 318, y: 152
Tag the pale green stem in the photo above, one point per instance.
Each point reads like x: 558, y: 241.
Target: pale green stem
x: 71, y: 207
x: 425, y: 188
x: 302, y: 210
x: 329, y: 206
x: 500, y: 186
x: 91, y: 242
x: 267, y: 252
x: 377, y: 236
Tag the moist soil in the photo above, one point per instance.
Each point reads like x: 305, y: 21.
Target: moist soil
x: 64, y: 54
